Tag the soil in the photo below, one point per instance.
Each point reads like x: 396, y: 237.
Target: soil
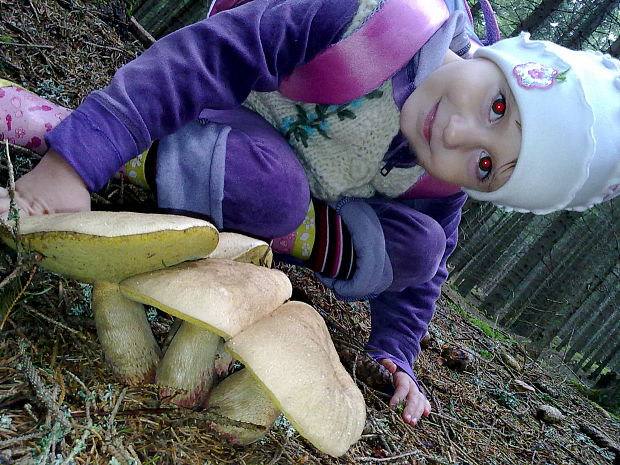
x: 60, y: 403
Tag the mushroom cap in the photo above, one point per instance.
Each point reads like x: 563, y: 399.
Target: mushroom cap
x: 292, y: 355
x: 242, y: 248
x: 223, y: 296
x: 111, y: 246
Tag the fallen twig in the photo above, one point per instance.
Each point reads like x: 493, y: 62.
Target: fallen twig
x: 42, y: 393
x: 388, y: 459
x: 26, y: 45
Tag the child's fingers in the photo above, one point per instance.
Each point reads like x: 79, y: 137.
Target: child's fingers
x: 5, y: 203
x: 401, y: 392
x: 415, y: 407
x: 427, y: 408
x: 389, y: 365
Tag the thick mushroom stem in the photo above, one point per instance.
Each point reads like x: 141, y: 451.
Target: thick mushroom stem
x: 242, y: 411
x: 223, y: 360
x: 187, y: 371
x: 125, y: 335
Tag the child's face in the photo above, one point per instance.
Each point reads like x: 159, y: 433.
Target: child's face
x: 463, y: 124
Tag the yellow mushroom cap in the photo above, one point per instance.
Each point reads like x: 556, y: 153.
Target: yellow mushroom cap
x: 242, y: 248
x: 292, y: 355
x: 111, y: 246
x: 224, y: 296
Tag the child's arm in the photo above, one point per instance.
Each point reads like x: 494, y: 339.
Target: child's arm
x: 212, y: 64
x: 401, y: 248
x: 52, y: 186
x: 419, y: 241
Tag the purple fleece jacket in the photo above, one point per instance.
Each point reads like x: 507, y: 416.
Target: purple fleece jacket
x: 214, y: 64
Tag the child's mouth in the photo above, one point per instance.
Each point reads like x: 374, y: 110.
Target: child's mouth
x: 427, y: 129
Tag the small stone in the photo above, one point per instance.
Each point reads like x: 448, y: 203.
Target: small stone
x: 521, y: 386
x: 549, y: 414
x: 510, y: 361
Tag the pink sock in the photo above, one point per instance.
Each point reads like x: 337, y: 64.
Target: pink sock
x: 26, y: 117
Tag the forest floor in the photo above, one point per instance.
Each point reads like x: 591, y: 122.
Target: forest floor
x: 60, y: 404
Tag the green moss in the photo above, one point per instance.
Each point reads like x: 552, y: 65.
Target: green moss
x: 488, y: 330
x: 484, y: 326
x: 486, y: 354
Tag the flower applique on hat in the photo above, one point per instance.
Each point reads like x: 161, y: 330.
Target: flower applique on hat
x: 536, y: 75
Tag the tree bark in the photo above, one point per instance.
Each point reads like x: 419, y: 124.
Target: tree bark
x: 614, y: 49
x: 537, y: 17
x: 575, y: 37
x: 605, y: 343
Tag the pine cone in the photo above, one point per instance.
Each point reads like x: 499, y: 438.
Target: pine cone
x: 599, y: 438
x: 367, y: 369
x: 549, y: 414
x: 456, y: 358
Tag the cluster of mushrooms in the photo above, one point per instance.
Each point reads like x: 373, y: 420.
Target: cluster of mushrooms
x: 232, y: 307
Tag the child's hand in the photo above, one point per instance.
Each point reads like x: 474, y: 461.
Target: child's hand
x: 52, y: 186
x: 405, y: 390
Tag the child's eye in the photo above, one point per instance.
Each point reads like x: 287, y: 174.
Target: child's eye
x: 485, y: 165
x: 498, y: 107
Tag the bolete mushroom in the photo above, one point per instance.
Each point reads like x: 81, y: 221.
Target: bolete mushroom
x: 291, y: 354
x: 219, y: 296
x: 111, y: 246
x: 106, y: 247
x: 240, y: 409
x: 195, y: 357
x: 242, y: 302
x: 222, y: 295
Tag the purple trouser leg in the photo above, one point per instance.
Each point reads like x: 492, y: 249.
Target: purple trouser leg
x: 236, y: 169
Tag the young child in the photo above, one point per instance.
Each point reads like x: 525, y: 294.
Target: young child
x: 356, y: 136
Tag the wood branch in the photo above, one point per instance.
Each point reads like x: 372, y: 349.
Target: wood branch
x: 143, y: 36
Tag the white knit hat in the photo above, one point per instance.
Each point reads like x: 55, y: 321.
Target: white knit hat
x: 570, y: 119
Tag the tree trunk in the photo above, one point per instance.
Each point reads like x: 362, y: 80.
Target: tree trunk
x: 514, y: 291
x: 600, y: 353
x: 503, y: 235
x: 552, y: 295
x: 575, y: 38
x: 601, y: 339
x: 586, y: 335
x: 537, y: 17
x: 474, y: 227
x: 614, y: 49
x: 582, y: 315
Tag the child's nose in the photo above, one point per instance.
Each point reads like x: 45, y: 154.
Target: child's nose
x: 459, y: 132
